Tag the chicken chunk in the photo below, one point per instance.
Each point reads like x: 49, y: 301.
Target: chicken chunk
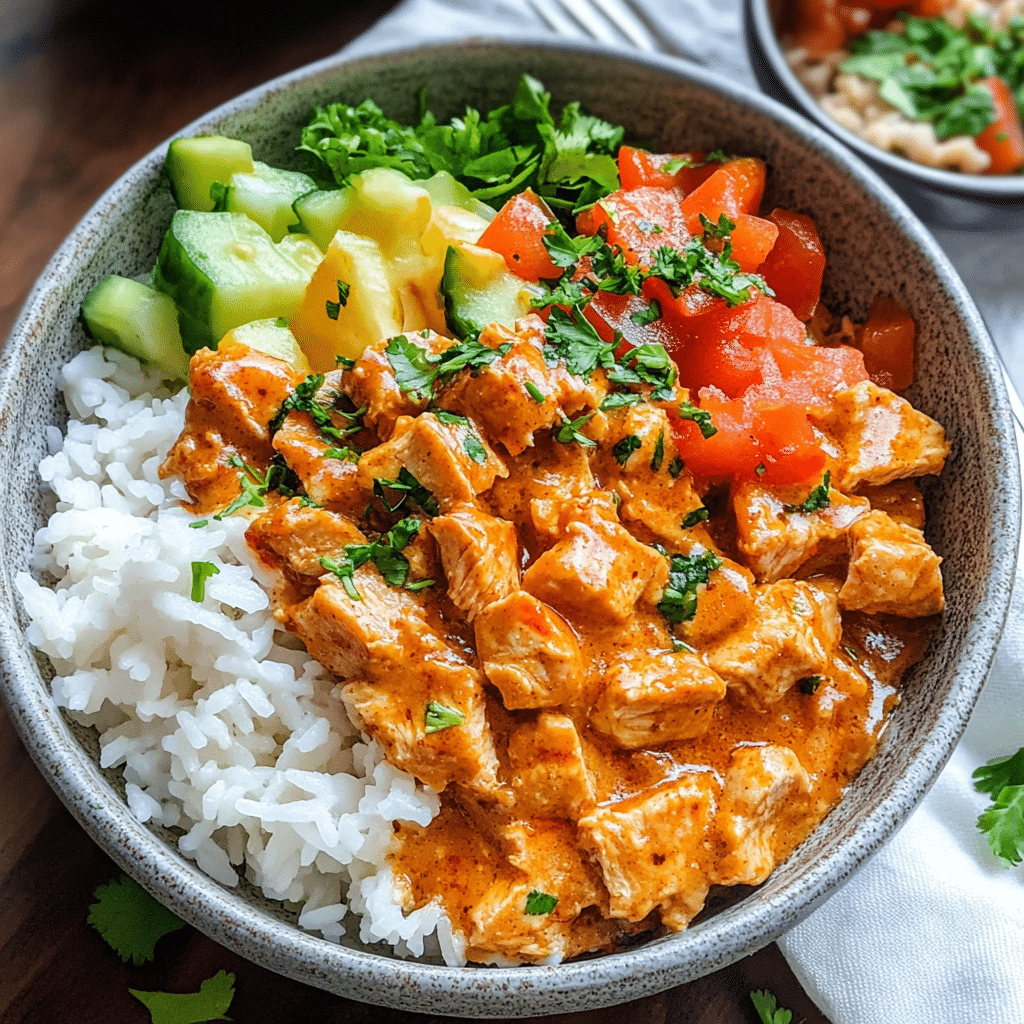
x: 651, y: 848
x: 892, y: 570
x: 235, y: 392
x: 529, y: 652
x: 777, y: 542
x: 791, y: 634
x: 723, y: 602
x: 549, y: 775
x: 883, y: 437
x: 759, y: 782
x: 480, y: 555
x: 598, y: 569
x: 445, y: 454
x: 371, y: 383
x: 294, y: 537
x: 503, y: 397
x: 653, y: 698
x: 431, y: 720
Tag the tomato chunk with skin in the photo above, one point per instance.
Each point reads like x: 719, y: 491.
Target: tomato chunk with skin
x: 796, y: 264
x: 752, y: 239
x: 638, y: 167
x: 517, y: 232
x: 735, y: 188
x: 639, y: 221
x: 1003, y: 139
x: 887, y: 342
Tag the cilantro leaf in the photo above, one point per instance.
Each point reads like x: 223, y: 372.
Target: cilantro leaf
x: 624, y: 448
x: 414, y: 367
x: 768, y: 1009
x: 698, y: 515
x: 201, y: 572
x: 688, y: 411
x: 1003, y: 820
x: 569, y: 431
x: 816, y: 500
x: 571, y: 337
x: 334, y: 308
x: 686, y: 573
x: 386, y: 555
x: 438, y: 717
x: 643, y: 317
x: 658, y: 455
x: 538, y: 903
x: 409, y: 488
x: 210, y: 1003
x: 809, y: 684
x: 131, y: 921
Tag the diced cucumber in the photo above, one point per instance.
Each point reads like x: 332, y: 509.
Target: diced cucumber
x: 272, y: 337
x: 138, y: 320
x: 266, y: 195
x: 223, y: 270
x: 321, y: 213
x: 444, y: 190
x: 194, y: 164
x: 479, y: 289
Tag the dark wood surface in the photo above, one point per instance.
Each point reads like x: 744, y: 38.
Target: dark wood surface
x: 86, y: 89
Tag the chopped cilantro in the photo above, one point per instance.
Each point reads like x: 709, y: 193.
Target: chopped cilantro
x: 534, y: 392
x: 210, y: 1003
x: 624, y: 448
x: 658, y: 455
x: 816, y: 500
x: 643, y: 317
x: 809, y: 684
x: 419, y: 371
x: 646, y: 365
x: 346, y: 453
x: 716, y: 156
x: 198, y: 524
x: 686, y: 574
x: 334, y: 308
x: 571, y: 338
x: 619, y: 399
x: 130, y: 921
x: 343, y: 362
x: 1002, y: 821
x: 386, y: 555
x: 254, y: 487
x: 305, y: 398
x: 281, y: 321
x: 201, y: 572
x: 852, y: 652
x: 688, y: 411
x: 438, y: 717
x: 569, y: 431
x: 538, y: 903
x: 408, y: 488
x: 698, y: 515
x: 675, y: 467
x: 768, y: 1008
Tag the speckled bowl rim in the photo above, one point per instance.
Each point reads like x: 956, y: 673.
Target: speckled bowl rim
x: 1004, y: 188
x: 521, y: 991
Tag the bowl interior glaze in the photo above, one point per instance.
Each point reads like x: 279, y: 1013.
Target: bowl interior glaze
x: 874, y: 245
x: 944, y: 198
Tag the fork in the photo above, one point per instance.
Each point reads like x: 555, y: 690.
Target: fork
x: 629, y: 23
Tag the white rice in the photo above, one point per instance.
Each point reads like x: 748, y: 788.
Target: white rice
x: 223, y: 726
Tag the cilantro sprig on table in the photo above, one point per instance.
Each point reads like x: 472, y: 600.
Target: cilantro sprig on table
x: 568, y: 160
x: 930, y: 71
x: 1003, y: 821
x: 768, y: 1009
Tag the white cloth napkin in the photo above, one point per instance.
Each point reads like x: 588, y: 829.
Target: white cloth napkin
x: 931, y: 930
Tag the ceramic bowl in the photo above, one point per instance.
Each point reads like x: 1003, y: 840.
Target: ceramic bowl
x: 941, y: 198
x: 874, y: 244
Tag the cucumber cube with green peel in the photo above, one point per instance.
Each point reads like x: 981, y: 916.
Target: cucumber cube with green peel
x: 321, y: 212
x: 138, y: 320
x: 194, y: 164
x: 266, y: 196
x: 223, y: 270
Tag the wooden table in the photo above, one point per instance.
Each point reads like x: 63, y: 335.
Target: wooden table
x: 86, y: 90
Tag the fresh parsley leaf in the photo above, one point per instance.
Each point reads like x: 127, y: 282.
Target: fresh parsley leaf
x: 438, y: 717
x: 569, y: 431
x: 688, y: 411
x: 698, y: 515
x: 538, y: 903
x: 210, y: 1003
x: 624, y: 448
x: 816, y: 500
x: 334, y: 308
x: 768, y: 1008
x: 571, y: 338
x: 201, y: 572
x: 409, y: 488
x: 130, y: 921
x: 1003, y: 820
x: 686, y: 574
x: 414, y: 367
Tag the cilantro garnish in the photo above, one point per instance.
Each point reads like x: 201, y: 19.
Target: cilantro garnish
x: 714, y: 272
x: 198, y: 524
x: 201, y: 572
x: 418, y: 371
x: 408, y: 488
x: 569, y: 431
x: 210, y: 1003
x: 686, y: 573
x: 716, y: 156
x: 768, y: 1008
x: 438, y: 717
x: 643, y: 317
x: 624, y: 448
x: 386, y: 555
x: 346, y: 453
x: 688, y: 411
x: 646, y: 364
x: 305, y: 398
x: 1002, y: 822
x: 538, y: 903
x: 658, y: 455
x: 471, y: 443
x: 816, y: 500
x: 675, y: 467
x: 334, y: 308
x: 809, y: 684
x: 698, y: 515
x: 343, y: 362
x: 130, y: 921
x: 571, y: 338
x: 534, y: 392
x: 254, y: 487
x: 619, y: 399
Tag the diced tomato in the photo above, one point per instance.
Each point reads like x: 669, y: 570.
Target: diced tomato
x: 640, y: 221
x: 887, y: 342
x: 795, y: 266
x: 790, y: 452
x: 517, y: 232
x: 638, y: 167
x: 931, y: 8
x: 735, y: 188
x: 764, y: 321
x: 1003, y: 139
x: 818, y: 27
x: 610, y: 313
x: 752, y: 240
